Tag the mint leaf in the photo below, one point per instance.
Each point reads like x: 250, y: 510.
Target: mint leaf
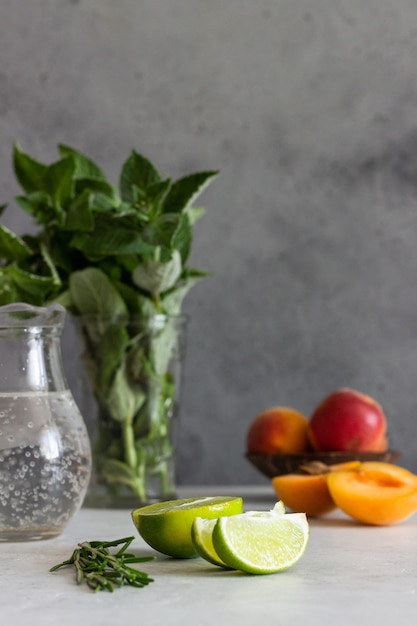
x: 122, y: 401
x: 98, y: 186
x: 58, y: 182
x: 109, y: 238
x: 103, y: 203
x: 84, y: 167
x: 65, y: 299
x: 12, y: 247
x: 62, y: 255
x: 94, y: 294
x: 172, y: 300
x: 137, y: 302
x: 111, y: 348
x: 33, y: 288
x: 182, y: 237
x: 28, y: 172
x: 9, y: 293
x: 150, y: 204
x: 137, y: 171
x: 157, y: 277
x: 170, y: 231
x: 38, y: 204
x: 186, y: 190
x: 118, y: 472
x: 79, y: 215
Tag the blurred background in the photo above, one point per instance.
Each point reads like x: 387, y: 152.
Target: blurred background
x: 309, y: 111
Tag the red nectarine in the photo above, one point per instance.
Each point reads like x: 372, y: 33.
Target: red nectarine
x: 348, y: 420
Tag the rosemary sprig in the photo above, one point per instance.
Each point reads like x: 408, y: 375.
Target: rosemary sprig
x: 102, y: 569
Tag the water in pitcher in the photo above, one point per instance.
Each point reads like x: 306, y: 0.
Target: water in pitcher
x: 44, y: 463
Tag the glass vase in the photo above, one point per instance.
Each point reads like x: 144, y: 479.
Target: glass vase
x: 131, y: 381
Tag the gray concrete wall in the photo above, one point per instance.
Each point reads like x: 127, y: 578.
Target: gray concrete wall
x: 309, y: 109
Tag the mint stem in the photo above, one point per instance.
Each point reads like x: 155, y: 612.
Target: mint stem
x: 129, y: 444
x: 131, y: 458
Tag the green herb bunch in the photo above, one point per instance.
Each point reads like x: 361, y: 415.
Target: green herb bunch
x: 102, y: 569
x: 110, y: 254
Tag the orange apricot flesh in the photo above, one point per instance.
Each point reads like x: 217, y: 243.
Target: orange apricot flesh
x: 308, y: 493
x: 375, y: 493
x: 304, y: 493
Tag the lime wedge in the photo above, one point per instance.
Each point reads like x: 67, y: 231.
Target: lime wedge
x: 166, y: 526
x: 201, y: 535
x: 261, y: 544
x: 202, y: 531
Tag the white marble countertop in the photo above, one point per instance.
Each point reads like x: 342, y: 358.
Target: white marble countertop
x: 349, y: 574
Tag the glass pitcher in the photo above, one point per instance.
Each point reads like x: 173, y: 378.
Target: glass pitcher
x: 45, y: 457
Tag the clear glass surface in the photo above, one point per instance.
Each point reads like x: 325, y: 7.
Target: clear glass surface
x: 45, y: 458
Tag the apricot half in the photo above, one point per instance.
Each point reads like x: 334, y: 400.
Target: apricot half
x: 309, y: 492
x: 375, y: 493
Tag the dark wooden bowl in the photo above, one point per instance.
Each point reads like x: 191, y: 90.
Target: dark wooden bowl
x: 275, y: 464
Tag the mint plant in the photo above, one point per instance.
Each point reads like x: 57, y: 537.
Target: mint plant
x: 111, y: 255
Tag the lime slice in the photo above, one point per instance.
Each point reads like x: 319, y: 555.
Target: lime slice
x: 202, y: 531
x: 166, y: 526
x: 201, y: 535
x: 261, y: 544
